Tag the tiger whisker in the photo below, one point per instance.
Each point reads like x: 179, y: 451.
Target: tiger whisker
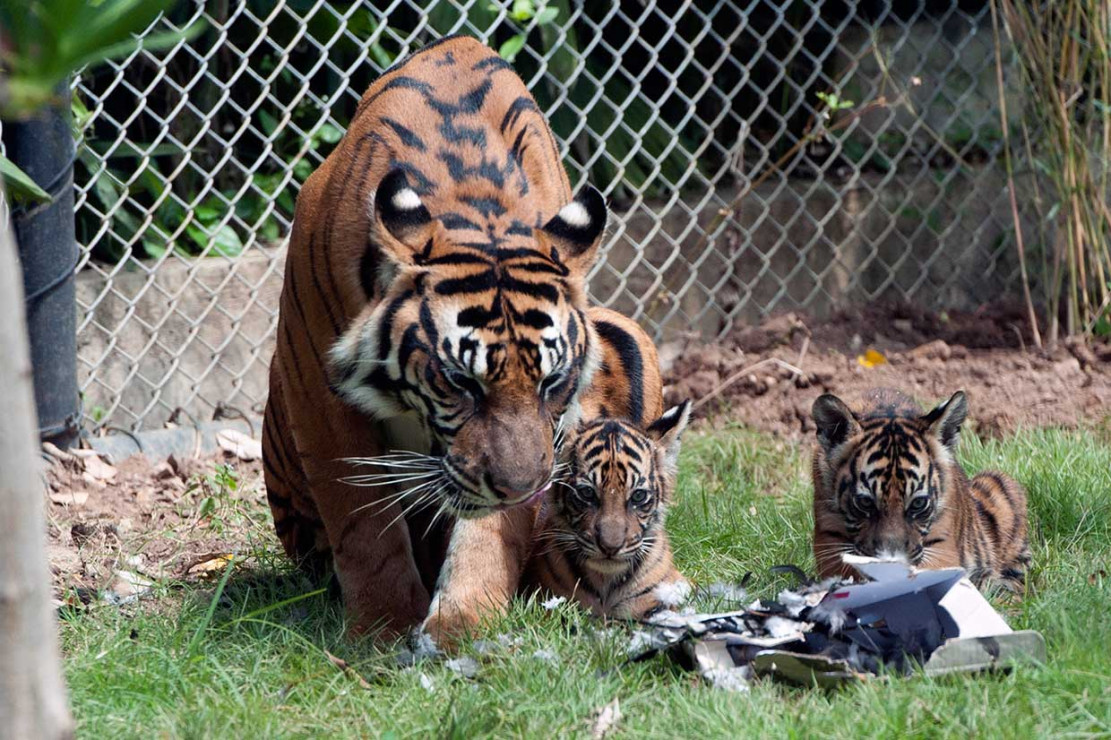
x: 419, y: 505
x: 385, y: 479
x: 387, y: 501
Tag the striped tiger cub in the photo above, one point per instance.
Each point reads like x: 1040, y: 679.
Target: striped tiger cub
x: 601, y: 532
x: 886, y: 484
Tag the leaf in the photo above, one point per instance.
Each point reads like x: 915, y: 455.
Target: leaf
x: 606, y: 720
x: 511, y: 48
x: 344, y: 666
x: 546, y: 16
x: 871, y: 358
x: 211, y: 566
x: 70, y: 498
x: 155, y: 248
x: 330, y: 134
x: 19, y: 184
x: 226, y: 242
x: 239, y: 444
x: 522, y: 10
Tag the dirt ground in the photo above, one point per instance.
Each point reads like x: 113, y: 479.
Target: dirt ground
x: 115, y: 530
x: 988, y: 354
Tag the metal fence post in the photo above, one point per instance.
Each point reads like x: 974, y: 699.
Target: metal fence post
x: 43, y: 147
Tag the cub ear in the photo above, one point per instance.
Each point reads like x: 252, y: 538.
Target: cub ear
x: 668, y: 428
x: 945, y: 421
x: 404, y: 224
x: 835, y: 421
x: 576, y: 231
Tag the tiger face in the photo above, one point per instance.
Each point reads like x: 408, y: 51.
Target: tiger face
x: 881, y: 477
x: 621, y: 480
x: 481, y: 333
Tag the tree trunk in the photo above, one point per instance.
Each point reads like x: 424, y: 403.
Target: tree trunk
x: 33, y: 701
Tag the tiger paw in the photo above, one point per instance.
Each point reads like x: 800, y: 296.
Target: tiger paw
x: 448, y: 625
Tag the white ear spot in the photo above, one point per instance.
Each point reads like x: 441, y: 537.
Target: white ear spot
x: 575, y: 214
x: 406, y: 199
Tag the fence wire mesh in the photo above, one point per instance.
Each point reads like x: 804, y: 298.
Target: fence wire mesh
x: 678, y: 111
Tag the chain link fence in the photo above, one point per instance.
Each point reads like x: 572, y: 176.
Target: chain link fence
x: 759, y: 156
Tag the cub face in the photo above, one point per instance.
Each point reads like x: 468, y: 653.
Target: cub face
x: 621, y: 481
x: 481, y: 332
x: 884, y: 476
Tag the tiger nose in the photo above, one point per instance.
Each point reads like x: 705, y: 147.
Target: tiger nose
x: 610, y: 537
x: 515, y: 491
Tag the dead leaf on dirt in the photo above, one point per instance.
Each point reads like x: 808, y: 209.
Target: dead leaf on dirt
x: 344, y: 666
x: 605, y: 721
x: 99, y: 469
x: 210, y: 567
x: 871, y: 358
x: 127, y: 587
x: 70, y: 498
x: 239, y: 444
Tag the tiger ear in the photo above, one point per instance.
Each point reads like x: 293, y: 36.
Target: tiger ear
x: 668, y: 428
x: 576, y: 231
x: 834, y: 420
x: 404, y: 225
x: 945, y: 421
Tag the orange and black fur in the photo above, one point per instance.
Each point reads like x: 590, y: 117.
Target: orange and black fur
x: 601, y: 537
x: 434, y: 304
x: 886, y: 484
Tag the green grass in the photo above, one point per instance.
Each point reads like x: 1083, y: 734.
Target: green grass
x: 187, y: 664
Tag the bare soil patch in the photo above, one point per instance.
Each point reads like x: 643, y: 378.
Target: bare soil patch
x: 116, y: 530
x: 989, y: 354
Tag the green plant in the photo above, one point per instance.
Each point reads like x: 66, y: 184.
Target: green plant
x: 1063, y: 50
x: 45, y: 41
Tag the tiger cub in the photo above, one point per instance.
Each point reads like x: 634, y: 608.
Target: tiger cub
x: 886, y: 484
x: 601, y: 532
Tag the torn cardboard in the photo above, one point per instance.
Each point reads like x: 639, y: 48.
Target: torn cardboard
x: 897, y: 621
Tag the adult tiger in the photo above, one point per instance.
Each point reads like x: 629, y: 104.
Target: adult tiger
x: 434, y: 302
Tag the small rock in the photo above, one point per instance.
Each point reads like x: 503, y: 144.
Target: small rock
x: 904, y: 325
x: 164, y: 471
x: 935, y: 350
x: 1067, y: 367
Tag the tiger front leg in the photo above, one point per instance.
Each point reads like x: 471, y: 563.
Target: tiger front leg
x: 485, y: 560
x: 382, y: 590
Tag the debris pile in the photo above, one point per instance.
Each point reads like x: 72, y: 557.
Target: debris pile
x: 896, y: 622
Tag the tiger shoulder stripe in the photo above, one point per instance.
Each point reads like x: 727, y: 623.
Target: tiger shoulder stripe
x: 887, y: 484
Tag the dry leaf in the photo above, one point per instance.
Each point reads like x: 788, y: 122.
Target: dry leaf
x: 239, y: 444
x: 344, y: 666
x: 606, y: 720
x: 208, y: 568
x: 99, y: 469
x: 871, y: 358
x: 70, y: 498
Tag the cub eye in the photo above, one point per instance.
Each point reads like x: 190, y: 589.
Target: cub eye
x: 585, y: 494
x: 640, y: 497
x: 918, y: 504
x: 864, y: 501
